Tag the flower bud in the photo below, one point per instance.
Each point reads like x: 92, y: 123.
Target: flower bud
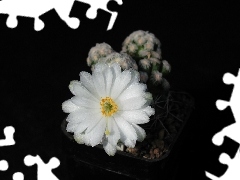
x: 145, y: 64
x: 166, y: 68
x: 156, y: 77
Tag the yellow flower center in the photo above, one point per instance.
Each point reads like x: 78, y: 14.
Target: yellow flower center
x: 108, y: 106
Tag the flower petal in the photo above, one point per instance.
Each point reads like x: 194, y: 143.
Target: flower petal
x: 85, y: 102
x: 97, y: 117
x: 94, y: 137
x: 78, y: 138
x: 78, y: 89
x: 141, y: 134
x: 114, y: 135
x: 111, y: 140
x: 131, y: 103
x: 120, y: 83
x: 99, y: 83
x: 134, y: 90
x: 71, y: 127
x: 109, y: 148
x: 135, y: 116
x: 130, y: 143
x: 149, y: 110
x: 116, y: 69
x: 108, y: 74
x: 82, y: 114
x: 71, y: 87
x: 135, y: 77
x: 87, y: 82
x: 90, y: 122
x: 127, y: 133
x: 81, y: 127
x: 100, y: 67
x: 68, y: 106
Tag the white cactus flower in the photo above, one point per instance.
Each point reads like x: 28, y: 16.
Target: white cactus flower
x: 107, y: 107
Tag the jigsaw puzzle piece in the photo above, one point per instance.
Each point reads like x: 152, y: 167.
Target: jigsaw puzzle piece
x: 223, y: 159
x: 8, y: 132
x: 95, y: 5
x: 221, y: 104
x: 232, y: 172
x: 63, y: 9
x: 114, y: 5
x: 12, y: 21
x: 25, y: 8
x: 211, y: 176
x: 18, y: 176
x: 229, y: 78
x: 218, y: 139
x: 3, y: 165
x: 231, y: 131
x: 44, y: 170
x: 100, y: 4
x: 36, y: 8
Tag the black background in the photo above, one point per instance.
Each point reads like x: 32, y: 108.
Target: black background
x: 200, y: 39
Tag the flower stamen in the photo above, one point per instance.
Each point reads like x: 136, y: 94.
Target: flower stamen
x: 108, y: 106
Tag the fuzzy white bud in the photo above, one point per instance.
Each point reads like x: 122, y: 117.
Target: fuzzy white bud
x: 145, y: 63
x: 156, y: 77
x: 166, y: 66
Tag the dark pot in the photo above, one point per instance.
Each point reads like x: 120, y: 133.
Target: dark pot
x: 84, y: 162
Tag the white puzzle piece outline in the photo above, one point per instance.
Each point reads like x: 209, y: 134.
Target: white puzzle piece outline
x: 101, y: 4
x: 18, y: 176
x: 9, y: 133
x: 36, y: 8
x: 232, y: 172
x: 44, y: 170
x: 3, y: 165
x: 8, y: 141
x: 231, y: 131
